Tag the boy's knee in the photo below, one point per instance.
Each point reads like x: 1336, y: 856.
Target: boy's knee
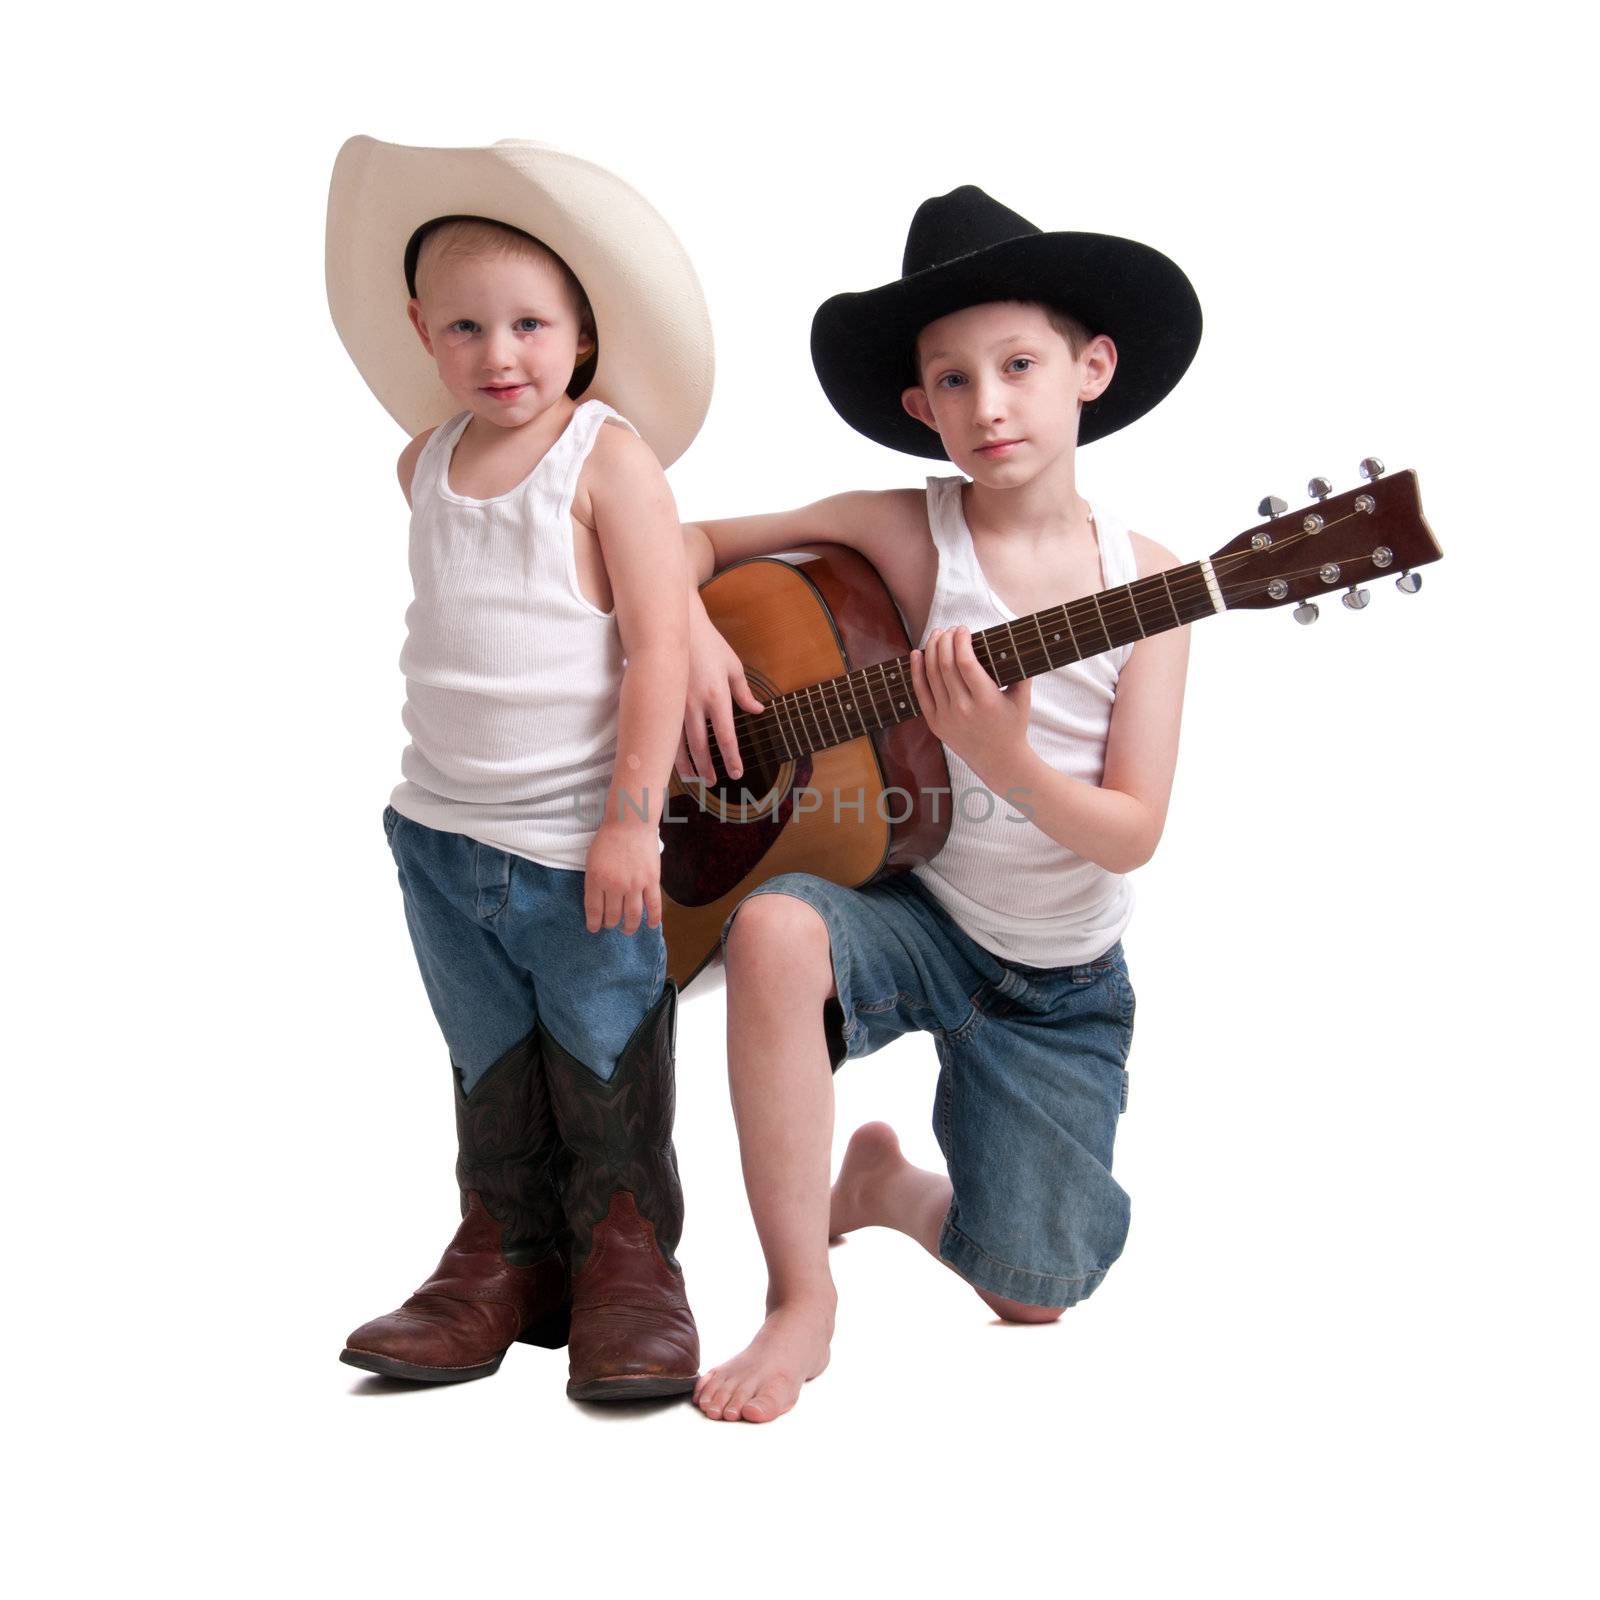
x: 1016, y: 1311
x: 779, y: 930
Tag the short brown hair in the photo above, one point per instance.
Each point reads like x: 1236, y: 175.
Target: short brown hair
x: 1074, y: 332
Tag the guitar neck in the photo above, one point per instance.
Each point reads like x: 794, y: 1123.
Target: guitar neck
x: 840, y: 709
x: 1336, y: 542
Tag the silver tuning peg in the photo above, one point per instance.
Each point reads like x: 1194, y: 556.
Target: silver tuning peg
x: 1356, y: 597
x: 1272, y: 506
x: 1371, y: 468
x: 1306, y: 612
x: 1408, y: 582
x: 1319, y: 488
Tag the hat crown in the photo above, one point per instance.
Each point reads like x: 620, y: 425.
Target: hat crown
x: 958, y: 224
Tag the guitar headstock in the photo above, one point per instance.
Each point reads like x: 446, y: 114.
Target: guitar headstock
x: 1334, y: 543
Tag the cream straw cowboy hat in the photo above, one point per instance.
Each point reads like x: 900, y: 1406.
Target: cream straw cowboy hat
x: 655, y: 362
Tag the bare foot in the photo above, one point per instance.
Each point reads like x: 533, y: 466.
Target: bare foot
x: 763, y: 1381
x: 872, y: 1157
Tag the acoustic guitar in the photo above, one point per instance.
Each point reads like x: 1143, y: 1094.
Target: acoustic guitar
x: 842, y: 778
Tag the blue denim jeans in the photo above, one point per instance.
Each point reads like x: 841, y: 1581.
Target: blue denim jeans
x: 1032, y: 1080
x: 503, y: 946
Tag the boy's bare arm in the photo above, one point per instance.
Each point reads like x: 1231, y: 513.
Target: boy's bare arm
x: 637, y: 525
x: 1116, y: 824
x: 860, y: 519
x: 407, y: 466
x: 1142, y: 746
x: 888, y: 527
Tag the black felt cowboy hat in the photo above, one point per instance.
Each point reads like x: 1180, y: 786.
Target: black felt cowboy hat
x: 966, y: 249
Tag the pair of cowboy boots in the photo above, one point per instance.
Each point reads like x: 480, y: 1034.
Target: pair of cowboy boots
x: 571, y: 1210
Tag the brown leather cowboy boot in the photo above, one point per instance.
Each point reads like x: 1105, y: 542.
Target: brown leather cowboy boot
x: 504, y: 1276
x: 633, y: 1334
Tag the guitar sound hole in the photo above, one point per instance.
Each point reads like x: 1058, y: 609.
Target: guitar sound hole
x: 753, y: 795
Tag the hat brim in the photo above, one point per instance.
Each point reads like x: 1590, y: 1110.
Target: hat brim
x: 655, y: 364
x: 863, y: 345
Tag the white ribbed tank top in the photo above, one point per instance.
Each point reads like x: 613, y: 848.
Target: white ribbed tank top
x: 512, y: 677
x: 1011, y: 887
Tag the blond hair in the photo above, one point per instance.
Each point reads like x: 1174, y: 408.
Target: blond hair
x: 479, y: 238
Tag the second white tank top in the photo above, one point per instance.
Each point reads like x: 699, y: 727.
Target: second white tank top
x: 1008, y: 885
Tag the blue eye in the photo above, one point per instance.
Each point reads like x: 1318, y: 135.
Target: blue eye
x: 1022, y: 363
x: 463, y: 324
x: 951, y: 380
x: 529, y: 322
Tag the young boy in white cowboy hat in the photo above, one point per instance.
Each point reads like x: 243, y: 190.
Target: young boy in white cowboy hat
x: 500, y: 302
x: 1001, y: 348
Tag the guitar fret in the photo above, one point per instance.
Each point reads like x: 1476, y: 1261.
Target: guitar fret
x: 777, y: 725
x: 1133, y: 602
x: 831, y: 705
x: 872, y: 699
x: 1176, y: 619
x: 816, y: 722
x: 802, y: 708
x: 1066, y: 617
x: 844, y: 694
x: 833, y: 728
x: 1038, y: 628
x: 1016, y: 660
x: 818, y: 712
x: 980, y: 638
x: 855, y: 704
x: 787, y: 702
x: 830, y: 734
x: 897, y: 707
x: 1110, y: 642
x: 883, y: 682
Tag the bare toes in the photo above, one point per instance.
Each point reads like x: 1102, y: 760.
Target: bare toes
x: 713, y: 1394
x: 733, y: 1406
x: 764, y: 1405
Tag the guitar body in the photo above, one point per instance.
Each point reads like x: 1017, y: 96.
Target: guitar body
x: 849, y: 813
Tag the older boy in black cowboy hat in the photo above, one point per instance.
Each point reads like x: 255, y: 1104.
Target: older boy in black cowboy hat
x: 1000, y: 348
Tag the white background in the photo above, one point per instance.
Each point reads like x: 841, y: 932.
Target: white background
x: 1348, y: 1348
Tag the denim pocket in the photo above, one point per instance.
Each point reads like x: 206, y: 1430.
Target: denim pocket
x: 1122, y: 990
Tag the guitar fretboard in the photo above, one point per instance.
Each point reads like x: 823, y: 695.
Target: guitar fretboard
x: 839, y: 709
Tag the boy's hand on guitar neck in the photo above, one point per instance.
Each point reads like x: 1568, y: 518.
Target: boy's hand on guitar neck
x: 985, y: 725
x: 716, y: 682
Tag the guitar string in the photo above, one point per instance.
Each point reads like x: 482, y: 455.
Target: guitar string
x: 762, y: 740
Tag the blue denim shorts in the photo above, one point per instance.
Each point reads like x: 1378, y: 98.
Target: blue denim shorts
x: 1032, y: 1080
x: 503, y: 946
